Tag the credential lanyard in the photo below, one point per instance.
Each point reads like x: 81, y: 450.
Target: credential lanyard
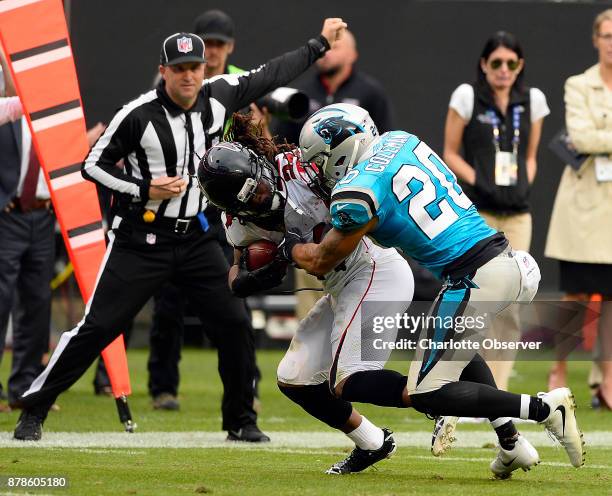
x: 516, y: 122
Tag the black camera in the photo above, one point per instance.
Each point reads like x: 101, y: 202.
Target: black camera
x: 286, y: 103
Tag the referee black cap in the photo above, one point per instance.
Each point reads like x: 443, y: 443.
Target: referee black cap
x: 182, y: 47
x: 215, y: 25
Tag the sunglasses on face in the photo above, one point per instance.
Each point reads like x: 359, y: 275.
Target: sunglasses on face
x: 512, y: 64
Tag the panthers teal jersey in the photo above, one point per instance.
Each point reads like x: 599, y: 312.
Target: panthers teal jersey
x: 420, y: 207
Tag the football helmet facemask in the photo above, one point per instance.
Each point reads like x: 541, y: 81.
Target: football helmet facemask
x: 240, y: 182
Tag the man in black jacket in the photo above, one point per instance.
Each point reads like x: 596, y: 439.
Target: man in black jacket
x: 337, y: 80
x: 159, y: 232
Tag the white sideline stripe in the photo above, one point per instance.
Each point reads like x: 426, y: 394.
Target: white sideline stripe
x: 14, y: 4
x: 488, y: 460
x: 22, y: 494
x: 57, y: 119
x: 42, y: 59
x: 329, y: 452
x: 67, y: 180
x: 280, y: 439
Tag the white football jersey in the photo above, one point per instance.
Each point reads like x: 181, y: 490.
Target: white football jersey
x: 307, y: 213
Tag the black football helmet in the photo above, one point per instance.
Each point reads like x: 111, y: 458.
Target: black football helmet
x: 240, y: 182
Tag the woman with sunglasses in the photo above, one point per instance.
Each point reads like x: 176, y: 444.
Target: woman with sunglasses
x: 579, y: 235
x: 491, y: 137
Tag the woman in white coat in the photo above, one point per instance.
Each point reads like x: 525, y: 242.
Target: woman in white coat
x: 580, y: 232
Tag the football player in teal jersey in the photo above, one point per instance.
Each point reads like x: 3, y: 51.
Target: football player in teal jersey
x: 396, y: 190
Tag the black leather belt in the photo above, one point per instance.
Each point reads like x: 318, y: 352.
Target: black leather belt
x: 160, y: 223
x: 177, y: 226
x: 37, y: 204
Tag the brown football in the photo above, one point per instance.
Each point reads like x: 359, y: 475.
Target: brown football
x: 260, y: 253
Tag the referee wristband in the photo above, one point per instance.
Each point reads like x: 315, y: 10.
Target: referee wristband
x: 320, y: 44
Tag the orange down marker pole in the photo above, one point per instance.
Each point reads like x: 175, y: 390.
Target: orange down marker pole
x: 35, y: 39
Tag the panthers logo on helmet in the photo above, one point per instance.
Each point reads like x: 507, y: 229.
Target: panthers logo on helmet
x: 334, y: 130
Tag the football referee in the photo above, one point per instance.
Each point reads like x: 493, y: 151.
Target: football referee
x: 159, y: 230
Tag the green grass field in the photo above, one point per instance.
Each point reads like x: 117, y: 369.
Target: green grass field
x: 282, y: 468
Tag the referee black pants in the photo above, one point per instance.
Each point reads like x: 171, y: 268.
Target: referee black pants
x: 135, y: 265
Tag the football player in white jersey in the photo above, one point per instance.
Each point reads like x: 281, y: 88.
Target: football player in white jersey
x: 265, y: 191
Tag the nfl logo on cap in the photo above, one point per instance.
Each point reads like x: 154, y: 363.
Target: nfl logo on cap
x: 181, y: 48
x: 184, y: 45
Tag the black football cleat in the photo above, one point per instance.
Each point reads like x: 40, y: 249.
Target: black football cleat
x: 360, y: 459
x: 29, y: 426
x: 248, y: 433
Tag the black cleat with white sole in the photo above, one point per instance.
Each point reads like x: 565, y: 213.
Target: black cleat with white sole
x: 360, y: 459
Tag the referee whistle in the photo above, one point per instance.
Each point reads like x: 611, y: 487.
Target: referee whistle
x: 148, y: 216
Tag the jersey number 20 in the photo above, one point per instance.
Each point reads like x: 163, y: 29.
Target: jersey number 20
x: 430, y: 223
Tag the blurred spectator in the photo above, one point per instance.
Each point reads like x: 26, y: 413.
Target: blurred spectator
x: 336, y: 80
x: 10, y: 109
x: 579, y: 235
x: 27, y: 251
x: 10, y: 105
x: 497, y: 121
x: 217, y: 30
